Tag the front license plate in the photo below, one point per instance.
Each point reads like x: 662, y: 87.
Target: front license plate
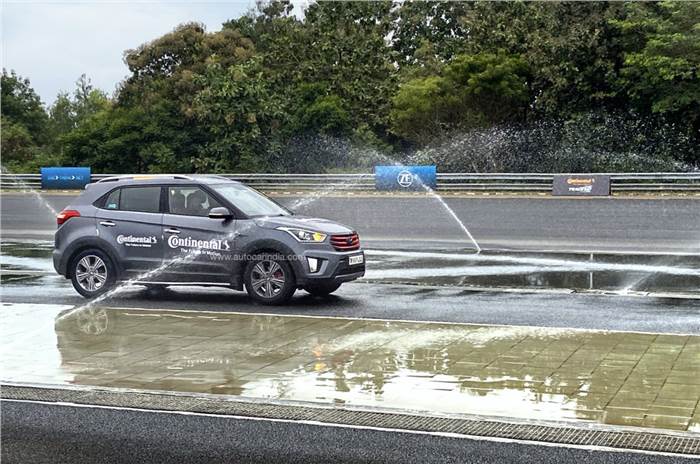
x: 357, y: 259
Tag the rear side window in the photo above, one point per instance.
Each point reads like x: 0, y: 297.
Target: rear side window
x: 112, y: 200
x: 143, y: 199
x: 140, y: 199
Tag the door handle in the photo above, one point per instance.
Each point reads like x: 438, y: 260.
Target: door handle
x: 172, y: 231
x: 107, y: 223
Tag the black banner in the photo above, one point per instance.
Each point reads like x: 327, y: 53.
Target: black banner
x: 581, y: 185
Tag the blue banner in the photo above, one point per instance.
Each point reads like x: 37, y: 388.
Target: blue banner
x: 405, y: 177
x: 64, y: 178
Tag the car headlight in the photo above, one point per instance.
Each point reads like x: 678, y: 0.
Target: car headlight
x: 302, y: 235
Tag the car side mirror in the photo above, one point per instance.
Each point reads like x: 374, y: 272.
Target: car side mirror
x: 220, y: 213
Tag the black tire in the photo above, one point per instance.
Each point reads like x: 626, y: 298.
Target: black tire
x: 269, y: 279
x: 103, y: 275
x: 322, y: 288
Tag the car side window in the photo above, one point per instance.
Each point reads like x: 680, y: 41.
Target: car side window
x: 190, y: 201
x: 141, y: 199
x: 112, y: 201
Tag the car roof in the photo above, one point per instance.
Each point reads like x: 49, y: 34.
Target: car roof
x: 164, y: 179
x: 95, y: 190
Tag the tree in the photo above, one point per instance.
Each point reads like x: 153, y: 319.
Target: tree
x: 240, y: 116
x: 68, y: 113
x: 662, y: 65
x: 164, y: 68
x: 153, y: 124
x: 350, y: 81
x: 572, y: 49
x: 24, y: 122
x: 472, y: 91
x: 21, y: 105
x: 339, y: 49
x: 435, y: 25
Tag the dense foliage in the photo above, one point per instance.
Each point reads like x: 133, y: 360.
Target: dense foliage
x: 471, y: 86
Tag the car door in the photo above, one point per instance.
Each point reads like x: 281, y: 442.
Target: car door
x: 201, y: 249
x: 131, y: 220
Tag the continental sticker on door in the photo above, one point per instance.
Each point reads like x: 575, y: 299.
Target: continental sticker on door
x: 188, y: 242
x: 137, y: 241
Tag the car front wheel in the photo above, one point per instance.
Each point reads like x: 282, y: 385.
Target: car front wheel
x: 269, y: 279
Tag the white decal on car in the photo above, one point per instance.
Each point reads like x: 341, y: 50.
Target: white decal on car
x: 188, y: 242
x: 137, y: 241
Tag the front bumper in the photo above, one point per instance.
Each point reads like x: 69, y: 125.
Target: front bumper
x: 334, y: 266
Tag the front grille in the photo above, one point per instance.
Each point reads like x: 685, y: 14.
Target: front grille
x: 346, y: 242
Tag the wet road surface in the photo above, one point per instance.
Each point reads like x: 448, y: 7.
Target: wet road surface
x: 621, y: 224
x: 387, y: 294
x: 29, y: 278
x: 405, y: 302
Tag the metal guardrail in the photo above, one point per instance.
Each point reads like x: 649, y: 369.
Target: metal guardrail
x: 455, y: 182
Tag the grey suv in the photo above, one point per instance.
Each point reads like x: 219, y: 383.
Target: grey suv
x: 199, y: 230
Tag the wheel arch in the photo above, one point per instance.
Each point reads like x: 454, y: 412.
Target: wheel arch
x: 87, y: 244
x: 266, y: 246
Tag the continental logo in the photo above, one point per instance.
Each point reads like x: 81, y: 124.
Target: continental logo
x: 586, y: 181
x: 136, y: 240
x: 188, y: 242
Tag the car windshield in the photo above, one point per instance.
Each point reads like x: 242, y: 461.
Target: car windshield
x: 249, y: 201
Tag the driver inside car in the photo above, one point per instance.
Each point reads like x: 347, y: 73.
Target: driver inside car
x: 196, y: 204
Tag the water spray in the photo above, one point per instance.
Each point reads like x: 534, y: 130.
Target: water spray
x: 442, y: 202
x: 186, y: 258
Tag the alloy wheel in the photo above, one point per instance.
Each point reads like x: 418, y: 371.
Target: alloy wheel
x: 91, y: 273
x: 267, y: 278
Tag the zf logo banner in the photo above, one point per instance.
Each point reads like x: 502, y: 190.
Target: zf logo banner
x: 405, y: 177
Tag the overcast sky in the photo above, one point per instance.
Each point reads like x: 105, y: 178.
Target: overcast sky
x: 54, y: 42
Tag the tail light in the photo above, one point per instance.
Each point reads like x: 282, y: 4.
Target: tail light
x: 346, y: 242
x: 66, y: 214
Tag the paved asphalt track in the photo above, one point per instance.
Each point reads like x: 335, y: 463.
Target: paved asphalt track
x: 40, y: 433
x: 540, y: 223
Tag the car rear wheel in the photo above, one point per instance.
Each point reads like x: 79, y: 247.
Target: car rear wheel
x: 92, y: 273
x: 322, y: 288
x: 269, y: 279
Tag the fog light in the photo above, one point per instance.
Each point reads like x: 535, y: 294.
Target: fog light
x: 313, y: 264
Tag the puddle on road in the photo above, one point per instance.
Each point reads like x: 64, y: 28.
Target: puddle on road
x: 604, y: 272
x: 635, y: 379
x: 26, y: 265
x: 32, y: 255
